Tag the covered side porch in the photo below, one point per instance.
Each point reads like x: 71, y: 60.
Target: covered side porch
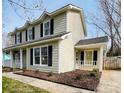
x: 89, y: 53
x: 18, y: 57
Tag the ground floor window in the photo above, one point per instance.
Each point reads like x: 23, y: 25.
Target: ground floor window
x: 44, y: 55
x: 37, y: 55
x: 41, y: 56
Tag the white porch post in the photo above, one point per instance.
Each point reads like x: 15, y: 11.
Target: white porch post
x: 27, y: 60
x: 101, y: 59
x: 20, y: 58
x: 11, y: 55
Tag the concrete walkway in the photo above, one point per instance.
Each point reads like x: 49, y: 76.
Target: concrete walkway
x: 110, y: 83
x: 50, y: 86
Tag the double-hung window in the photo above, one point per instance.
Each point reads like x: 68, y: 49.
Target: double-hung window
x: 30, y: 34
x: 41, y: 55
x: 47, y: 28
x: 44, y: 55
x: 18, y: 38
x: 37, y: 56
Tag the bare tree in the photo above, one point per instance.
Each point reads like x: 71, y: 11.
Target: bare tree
x: 25, y: 10
x: 109, y: 21
x: 6, y: 40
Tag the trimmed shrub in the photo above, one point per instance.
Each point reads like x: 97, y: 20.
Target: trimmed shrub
x: 37, y: 70
x: 93, y: 74
x: 78, y: 77
x: 24, y: 70
x: 95, y: 70
x: 50, y: 74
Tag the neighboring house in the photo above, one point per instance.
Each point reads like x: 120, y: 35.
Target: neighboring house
x: 55, y: 42
x: 6, y: 59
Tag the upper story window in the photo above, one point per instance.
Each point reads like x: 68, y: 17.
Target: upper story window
x: 30, y: 34
x: 18, y: 38
x: 47, y: 28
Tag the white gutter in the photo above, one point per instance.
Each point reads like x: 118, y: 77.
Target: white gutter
x: 38, y: 42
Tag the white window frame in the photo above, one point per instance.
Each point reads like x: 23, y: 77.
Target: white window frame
x: 17, y: 37
x: 28, y: 35
x: 40, y: 56
x: 34, y: 56
x: 44, y: 28
x: 47, y: 56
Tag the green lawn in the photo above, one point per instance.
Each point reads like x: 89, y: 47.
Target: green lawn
x: 14, y: 86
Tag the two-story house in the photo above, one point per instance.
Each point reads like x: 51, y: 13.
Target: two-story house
x: 55, y: 42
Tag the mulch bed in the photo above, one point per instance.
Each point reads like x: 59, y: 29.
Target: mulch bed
x: 78, y: 78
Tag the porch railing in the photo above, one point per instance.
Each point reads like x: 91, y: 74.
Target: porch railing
x: 86, y: 64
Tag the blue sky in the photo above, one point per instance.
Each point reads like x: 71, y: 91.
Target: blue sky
x: 12, y: 20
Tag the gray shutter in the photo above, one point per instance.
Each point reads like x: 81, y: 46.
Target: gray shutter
x: 94, y: 55
x: 41, y: 30
x: 51, y: 26
x: 31, y: 56
x: 20, y: 37
x: 50, y: 55
x: 33, y: 31
x: 26, y: 35
x: 15, y: 39
x: 82, y: 57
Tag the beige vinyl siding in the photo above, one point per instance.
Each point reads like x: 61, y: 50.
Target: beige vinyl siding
x: 74, y: 25
x: 66, y: 46
x: 66, y: 55
x: 54, y: 67
x: 60, y: 23
x: 59, y: 26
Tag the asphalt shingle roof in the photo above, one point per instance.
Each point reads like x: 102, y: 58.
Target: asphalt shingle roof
x: 93, y: 40
x: 41, y: 39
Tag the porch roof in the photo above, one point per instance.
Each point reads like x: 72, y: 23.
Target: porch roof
x: 56, y: 37
x: 103, y: 39
x: 92, y: 43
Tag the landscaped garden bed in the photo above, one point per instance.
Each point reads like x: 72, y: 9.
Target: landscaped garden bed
x: 78, y: 78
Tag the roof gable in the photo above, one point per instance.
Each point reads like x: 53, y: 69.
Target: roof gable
x: 54, y: 13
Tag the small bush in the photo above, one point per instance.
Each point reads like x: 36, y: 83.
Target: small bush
x: 96, y: 70
x: 50, y: 74
x: 92, y: 74
x: 24, y: 70
x: 36, y: 71
x: 78, y: 77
